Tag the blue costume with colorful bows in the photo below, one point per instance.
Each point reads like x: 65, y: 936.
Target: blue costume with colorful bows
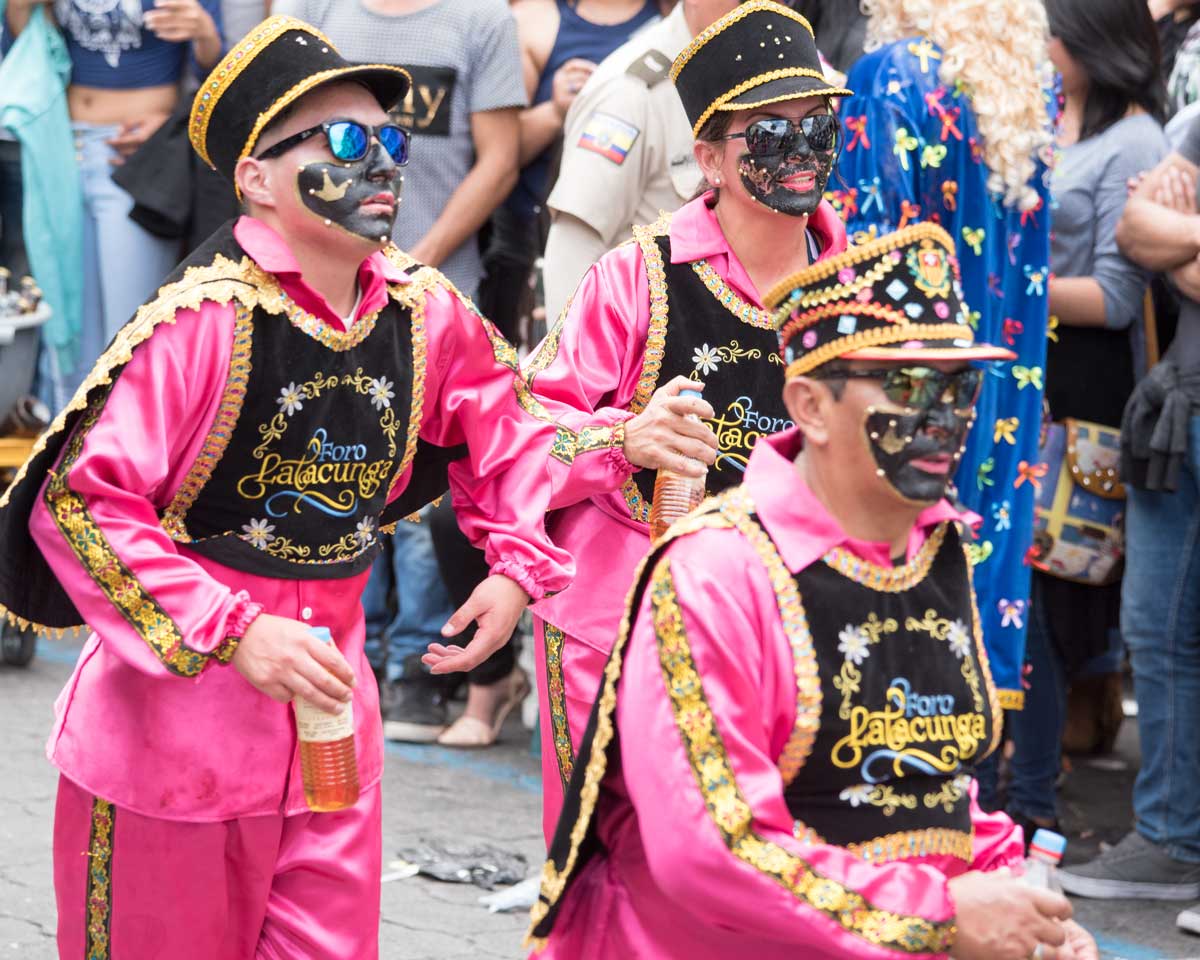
x: 913, y: 152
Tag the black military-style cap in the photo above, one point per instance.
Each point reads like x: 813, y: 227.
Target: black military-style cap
x: 757, y: 54
x: 270, y: 68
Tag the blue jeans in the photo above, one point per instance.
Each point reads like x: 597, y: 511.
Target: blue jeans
x: 422, y: 603
x: 1160, y: 618
x: 123, y: 263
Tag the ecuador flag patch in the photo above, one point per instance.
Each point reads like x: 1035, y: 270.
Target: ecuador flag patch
x: 609, y: 136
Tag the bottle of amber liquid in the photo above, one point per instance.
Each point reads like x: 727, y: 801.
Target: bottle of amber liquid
x: 674, y: 495
x: 327, y: 760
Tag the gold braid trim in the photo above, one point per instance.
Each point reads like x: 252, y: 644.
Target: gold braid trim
x: 878, y: 311
x: 219, y: 434
x: 656, y: 336
x: 779, y: 296
x: 996, y: 701
x: 547, y: 351
x: 557, y: 695
x: 888, y: 579
x: 722, y: 102
x: 732, y: 814
x: 727, y: 297
x: 933, y: 842
x: 99, y: 879
x: 893, y: 333
x: 727, y: 21
x: 101, y: 562
x: 1011, y: 699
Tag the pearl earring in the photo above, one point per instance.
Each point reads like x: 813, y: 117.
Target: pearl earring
x: 716, y: 181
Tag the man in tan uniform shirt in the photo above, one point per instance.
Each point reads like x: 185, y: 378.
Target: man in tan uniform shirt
x: 627, y: 150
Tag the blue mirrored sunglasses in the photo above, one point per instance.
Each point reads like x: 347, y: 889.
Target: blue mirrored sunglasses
x: 349, y: 140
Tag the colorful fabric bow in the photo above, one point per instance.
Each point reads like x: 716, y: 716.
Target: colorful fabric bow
x: 950, y: 194
x: 908, y: 212
x: 1006, y: 429
x: 924, y: 51
x: 1028, y: 376
x: 905, y: 144
x: 977, y: 553
x: 1012, y: 330
x: 1030, y: 214
x: 1011, y: 612
x: 983, y: 477
x: 870, y: 190
x: 1002, y: 514
x: 1037, y: 281
x: 858, y: 126
x: 974, y: 237
x: 1031, y: 473
x: 933, y: 155
x: 1052, y: 328
x: 949, y: 120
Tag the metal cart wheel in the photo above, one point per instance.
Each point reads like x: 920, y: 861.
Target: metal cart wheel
x: 17, y: 646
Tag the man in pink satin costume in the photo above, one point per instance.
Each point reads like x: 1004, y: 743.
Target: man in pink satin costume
x: 216, y: 488
x: 678, y: 308
x: 778, y: 763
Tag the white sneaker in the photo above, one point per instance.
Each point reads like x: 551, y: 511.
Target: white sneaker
x: 1189, y: 920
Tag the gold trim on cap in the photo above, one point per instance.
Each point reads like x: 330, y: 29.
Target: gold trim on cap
x: 893, y: 333
x: 727, y: 21
x: 230, y: 68
x: 722, y: 102
x: 778, y: 295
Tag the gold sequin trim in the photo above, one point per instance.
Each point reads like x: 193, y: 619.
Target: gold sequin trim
x: 737, y: 507
x: 414, y: 300
x: 554, y: 881
x: 1011, y: 699
x: 893, y: 333
x: 780, y: 295
x: 99, y: 879
x: 656, y: 335
x: 91, y: 547
x: 722, y: 102
x: 547, y: 351
x: 557, y: 694
x: 219, y: 434
x: 728, y: 298
x: 888, y: 579
x: 732, y: 814
x: 996, y: 699
x: 230, y: 68
x: 933, y: 842
x: 727, y: 21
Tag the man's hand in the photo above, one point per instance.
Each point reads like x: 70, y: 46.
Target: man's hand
x: 999, y: 918
x: 1080, y: 944
x: 495, y: 605
x: 662, y: 436
x: 282, y: 659
x: 568, y: 81
x: 178, y: 21
x: 1176, y: 190
x: 133, y: 134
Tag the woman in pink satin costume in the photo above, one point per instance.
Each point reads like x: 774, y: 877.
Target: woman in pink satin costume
x: 215, y: 489
x: 779, y: 762
x: 680, y: 307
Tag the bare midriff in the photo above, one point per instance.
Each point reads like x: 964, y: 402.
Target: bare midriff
x: 106, y: 106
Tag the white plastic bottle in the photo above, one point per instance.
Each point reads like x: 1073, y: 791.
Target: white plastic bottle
x: 1045, y: 854
x: 674, y: 495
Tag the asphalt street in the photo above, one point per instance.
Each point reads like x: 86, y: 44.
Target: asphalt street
x: 443, y: 796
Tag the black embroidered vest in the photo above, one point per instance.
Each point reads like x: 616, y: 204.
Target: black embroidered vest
x: 906, y: 706
x: 700, y: 328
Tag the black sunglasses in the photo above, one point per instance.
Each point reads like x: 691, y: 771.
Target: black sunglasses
x: 780, y: 135
x: 349, y: 140
x: 919, y: 388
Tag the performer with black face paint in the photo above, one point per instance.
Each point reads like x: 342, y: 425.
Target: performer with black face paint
x: 779, y: 760
x: 216, y: 489
x: 681, y: 308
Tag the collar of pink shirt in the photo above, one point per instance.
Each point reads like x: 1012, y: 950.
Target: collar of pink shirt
x: 697, y: 235
x: 801, y: 527
x: 271, y: 252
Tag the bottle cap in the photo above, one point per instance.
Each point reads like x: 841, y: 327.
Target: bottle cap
x: 322, y: 634
x: 695, y: 394
x: 1048, y: 845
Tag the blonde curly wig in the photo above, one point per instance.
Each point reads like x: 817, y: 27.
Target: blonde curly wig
x: 997, y: 49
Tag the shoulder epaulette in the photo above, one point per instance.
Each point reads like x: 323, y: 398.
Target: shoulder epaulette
x: 652, y: 67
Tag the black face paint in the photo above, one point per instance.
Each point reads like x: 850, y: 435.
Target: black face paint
x: 765, y: 177
x: 338, y: 193
x: 899, y: 440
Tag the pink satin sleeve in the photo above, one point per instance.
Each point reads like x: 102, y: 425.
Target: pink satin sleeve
x: 501, y: 489
x: 97, y: 518
x: 998, y: 841
x: 707, y: 701
x: 586, y: 371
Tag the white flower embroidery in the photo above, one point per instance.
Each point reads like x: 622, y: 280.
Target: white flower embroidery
x: 259, y: 533
x: 381, y: 393
x: 854, y: 644
x: 857, y: 794
x: 959, y: 639
x: 705, y: 358
x: 365, y: 531
x: 290, y: 398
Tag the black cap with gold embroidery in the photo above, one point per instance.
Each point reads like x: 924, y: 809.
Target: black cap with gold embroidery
x: 895, y: 298
x: 266, y: 71
x: 759, y: 53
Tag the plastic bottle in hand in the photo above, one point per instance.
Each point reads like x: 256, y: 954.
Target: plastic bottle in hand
x: 1045, y: 854
x: 674, y: 495
x: 327, y: 759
